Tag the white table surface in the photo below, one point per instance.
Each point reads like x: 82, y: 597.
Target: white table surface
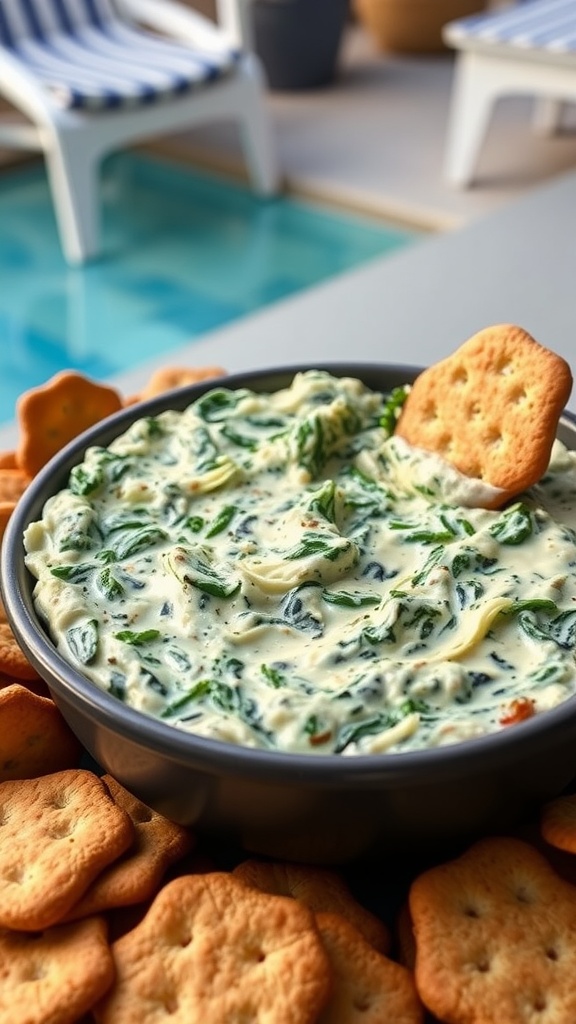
x: 517, y: 265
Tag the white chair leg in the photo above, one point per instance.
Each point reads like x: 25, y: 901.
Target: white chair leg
x: 473, y: 95
x: 547, y: 116
x: 256, y: 138
x: 259, y: 155
x: 73, y: 177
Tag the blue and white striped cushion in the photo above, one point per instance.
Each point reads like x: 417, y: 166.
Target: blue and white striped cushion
x: 87, y: 57
x: 548, y: 25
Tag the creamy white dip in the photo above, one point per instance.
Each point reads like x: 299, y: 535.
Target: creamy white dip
x: 278, y: 572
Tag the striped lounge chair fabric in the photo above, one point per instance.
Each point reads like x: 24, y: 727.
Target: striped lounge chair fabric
x: 94, y: 76
x: 529, y: 49
x: 88, y: 57
x: 541, y: 26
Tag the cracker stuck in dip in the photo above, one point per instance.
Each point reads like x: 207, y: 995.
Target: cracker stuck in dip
x: 276, y: 571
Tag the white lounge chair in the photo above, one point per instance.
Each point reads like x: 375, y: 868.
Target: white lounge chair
x: 530, y: 49
x: 92, y: 76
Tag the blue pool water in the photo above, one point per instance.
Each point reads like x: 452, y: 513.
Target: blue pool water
x: 184, y: 253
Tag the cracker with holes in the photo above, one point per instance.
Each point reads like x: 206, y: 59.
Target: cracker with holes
x: 57, y: 833
x: 34, y: 738
x: 320, y: 889
x: 491, y: 409
x: 210, y: 949
x: 52, y: 414
x: 368, y: 988
x: 494, y: 934
x: 136, y: 876
x: 55, y: 976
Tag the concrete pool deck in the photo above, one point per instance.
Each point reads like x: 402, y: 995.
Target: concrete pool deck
x: 515, y: 265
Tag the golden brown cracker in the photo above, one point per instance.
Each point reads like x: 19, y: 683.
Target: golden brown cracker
x: 13, y: 483
x: 167, y: 378
x: 37, y: 686
x: 494, y: 936
x: 34, y: 738
x: 405, y: 941
x: 56, y: 976
x: 8, y: 460
x: 136, y: 876
x: 57, y: 833
x: 52, y: 414
x: 13, y: 661
x: 367, y: 988
x: 558, y: 822
x: 491, y: 408
x: 320, y: 889
x: 6, y: 510
x: 211, y: 949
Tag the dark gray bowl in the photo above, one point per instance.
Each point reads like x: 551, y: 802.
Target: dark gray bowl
x: 323, y: 809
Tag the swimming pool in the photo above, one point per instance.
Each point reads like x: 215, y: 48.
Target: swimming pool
x: 184, y: 253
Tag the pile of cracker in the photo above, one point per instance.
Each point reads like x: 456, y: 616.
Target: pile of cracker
x: 111, y: 913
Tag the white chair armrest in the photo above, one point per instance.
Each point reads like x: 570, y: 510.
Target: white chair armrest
x: 180, y: 22
x: 21, y: 88
x: 235, y: 17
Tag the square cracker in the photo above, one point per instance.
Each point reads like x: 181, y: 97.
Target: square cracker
x: 320, y: 889
x: 212, y: 950
x: 494, y: 933
x: 368, y: 988
x: 55, y: 976
x: 57, y: 832
x: 491, y: 408
x: 136, y: 876
x: 34, y: 738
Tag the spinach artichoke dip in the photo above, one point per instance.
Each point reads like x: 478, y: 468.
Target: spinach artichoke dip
x: 281, y: 571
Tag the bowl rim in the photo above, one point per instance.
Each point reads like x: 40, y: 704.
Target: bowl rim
x: 75, y: 690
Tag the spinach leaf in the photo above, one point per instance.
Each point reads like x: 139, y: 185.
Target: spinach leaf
x: 514, y: 525
x: 222, y: 520
x: 109, y: 585
x: 127, y: 542
x: 323, y: 502
x: 73, y: 573
x: 84, y: 481
x: 238, y: 438
x: 346, y: 599
x: 137, y: 638
x: 392, y: 408
x: 117, y: 685
x: 272, y: 676
x: 328, y: 545
x: 194, y: 567
x: 298, y: 610
x: 82, y: 641
x: 218, y: 404
x: 561, y: 629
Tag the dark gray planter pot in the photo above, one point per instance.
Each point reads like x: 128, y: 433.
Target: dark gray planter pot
x: 298, y: 40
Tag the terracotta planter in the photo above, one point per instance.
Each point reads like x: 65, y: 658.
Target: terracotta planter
x: 412, y: 26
